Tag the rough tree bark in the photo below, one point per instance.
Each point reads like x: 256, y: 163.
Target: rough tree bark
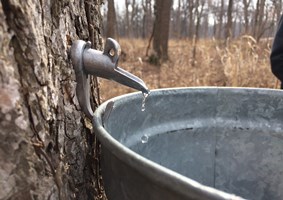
x: 46, y: 149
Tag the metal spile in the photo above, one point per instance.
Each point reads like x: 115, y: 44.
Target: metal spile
x: 104, y: 64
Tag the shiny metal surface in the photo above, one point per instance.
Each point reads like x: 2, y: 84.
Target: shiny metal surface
x: 87, y: 61
x: 193, y: 143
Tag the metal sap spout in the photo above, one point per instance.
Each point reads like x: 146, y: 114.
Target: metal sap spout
x: 104, y: 64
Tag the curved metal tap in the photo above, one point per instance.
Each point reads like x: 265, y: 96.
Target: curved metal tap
x: 87, y: 61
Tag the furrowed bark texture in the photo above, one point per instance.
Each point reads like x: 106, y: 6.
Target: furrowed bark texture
x: 46, y: 149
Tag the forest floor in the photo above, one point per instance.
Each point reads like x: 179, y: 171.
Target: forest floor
x: 238, y: 63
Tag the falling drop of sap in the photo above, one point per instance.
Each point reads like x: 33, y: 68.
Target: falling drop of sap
x: 144, y: 139
x: 145, y: 95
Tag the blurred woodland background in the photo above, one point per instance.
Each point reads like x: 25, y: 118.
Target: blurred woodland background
x: 186, y: 43
x: 47, y: 146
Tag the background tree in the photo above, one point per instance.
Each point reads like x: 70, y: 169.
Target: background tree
x: 147, y: 18
x: 184, y: 16
x: 199, y: 13
x: 221, y: 17
x: 111, y: 30
x: 277, y: 4
x: 192, y: 8
x: 127, y: 3
x: 246, y: 4
x: 229, y: 24
x: 161, y: 28
x: 46, y: 149
x: 257, y: 18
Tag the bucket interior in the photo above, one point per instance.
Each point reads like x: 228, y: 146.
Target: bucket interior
x: 229, y: 139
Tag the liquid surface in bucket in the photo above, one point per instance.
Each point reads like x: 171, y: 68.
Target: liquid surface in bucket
x: 233, y: 159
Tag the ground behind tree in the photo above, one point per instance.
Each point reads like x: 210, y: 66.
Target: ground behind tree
x: 238, y: 63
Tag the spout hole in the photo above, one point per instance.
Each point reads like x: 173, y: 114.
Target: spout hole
x: 112, y: 52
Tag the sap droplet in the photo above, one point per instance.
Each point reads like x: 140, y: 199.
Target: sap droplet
x: 144, y: 139
x: 145, y: 95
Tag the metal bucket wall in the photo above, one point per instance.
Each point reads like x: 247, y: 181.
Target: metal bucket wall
x: 191, y: 140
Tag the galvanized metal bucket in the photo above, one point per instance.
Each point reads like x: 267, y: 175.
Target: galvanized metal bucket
x: 193, y: 143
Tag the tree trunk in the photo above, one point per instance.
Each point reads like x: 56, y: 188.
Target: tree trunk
x: 191, y: 7
x: 132, y: 23
x: 144, y: 19
x: 246, y: 4
x: 111, y: 20
x: 161, y: 29
x: 229, y: 24
x: 127, y: 18
x: 147, y: 18
x: 198, y: 13
x: 258, y: 19
x: 184, y: 20
x: 178, y: 21
x: 221, y: 16
x: 46, y: 149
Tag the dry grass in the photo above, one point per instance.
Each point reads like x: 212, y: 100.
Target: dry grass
x: 238, y: 63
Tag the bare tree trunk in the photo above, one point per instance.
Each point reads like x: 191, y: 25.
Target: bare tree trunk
x: 229, y: 25
x: 205, y: 25
x: 246, y: 4
x: 178, y: 20
x: 111, y: 20
x: 127, y: 18
x: 278, y: 7
x: 151, y: 17
x: 191, y: 5
x: 46, y: 149
x: 147, y: 18
x: 144, y: 19
x: 198, y: 14
x: 161, y: 30
x: 258, y: 23
x: 133, y: 13
x: 221, y: 15
x: 184, y: 21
